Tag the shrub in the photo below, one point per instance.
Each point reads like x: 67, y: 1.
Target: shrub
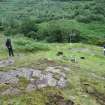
x: 1, y: 26
x: 28, y: 45
x: 54, y: 32
x: 32, y: 34
x: 97, y: 17
x: 74, y: 36
x: 29, y: 28
x: 84, y: 19
x: 100, y: 41
x: 8, y: 31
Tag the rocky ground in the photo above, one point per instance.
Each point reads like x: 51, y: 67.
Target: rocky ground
x: 65, y: 75
x: 36, y: 79
x: 4, y: 63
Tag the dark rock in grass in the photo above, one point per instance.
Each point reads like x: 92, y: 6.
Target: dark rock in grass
x: 73, y: 60
x: 59, y: 53
x: 82, y: 57
x: 69, y: 102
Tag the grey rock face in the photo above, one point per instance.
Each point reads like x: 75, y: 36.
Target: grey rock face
x: 8, y: 78
x: 36, y: 73
x: 37, y: 79
x: 42, y: 83
x: 5, y: 63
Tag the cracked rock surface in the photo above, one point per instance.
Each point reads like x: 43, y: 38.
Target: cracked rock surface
x: 37, y: 79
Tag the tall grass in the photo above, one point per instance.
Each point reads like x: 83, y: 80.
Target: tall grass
x: 29, y: 45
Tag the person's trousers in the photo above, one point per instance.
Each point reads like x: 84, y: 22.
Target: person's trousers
x: 10, y: 51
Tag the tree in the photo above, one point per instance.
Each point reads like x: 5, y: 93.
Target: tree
x: 100, y: 7
x: 2, y: 0
x: 28, y: 27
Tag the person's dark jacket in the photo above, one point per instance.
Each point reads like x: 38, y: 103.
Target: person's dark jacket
x: 8, y: 43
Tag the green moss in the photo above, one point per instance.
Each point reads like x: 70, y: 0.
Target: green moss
x: 34, y: 98
x: 3, y: 87
x: 23, y: 82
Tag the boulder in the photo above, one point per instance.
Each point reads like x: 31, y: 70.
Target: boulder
x: 59, y: 53
x: 52, y: 82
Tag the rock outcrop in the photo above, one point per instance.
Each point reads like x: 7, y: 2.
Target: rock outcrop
x: 51, y: 76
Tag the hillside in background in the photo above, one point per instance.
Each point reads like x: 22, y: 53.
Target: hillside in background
x: 41, y: 9
x: 26, y: 17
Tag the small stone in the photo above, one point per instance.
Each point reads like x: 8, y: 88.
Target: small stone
x: 30, y: 88
x: 66, y: 69
x: 53, y: 70
x: 52, y: 82
x: 72, y: 98
x: 61, y: 83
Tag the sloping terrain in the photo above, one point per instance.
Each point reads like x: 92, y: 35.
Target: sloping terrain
x: 85, y: 65
x: 52, y: 73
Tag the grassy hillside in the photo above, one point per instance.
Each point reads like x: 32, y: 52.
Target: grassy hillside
x: 85, y: 77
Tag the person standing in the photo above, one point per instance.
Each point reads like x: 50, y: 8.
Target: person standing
x: 9, y: 47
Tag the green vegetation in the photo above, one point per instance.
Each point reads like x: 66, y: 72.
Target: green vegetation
x: 29, y: 45
x: 33, y: 98
x: 29, y: 17
x: 39, y: 29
